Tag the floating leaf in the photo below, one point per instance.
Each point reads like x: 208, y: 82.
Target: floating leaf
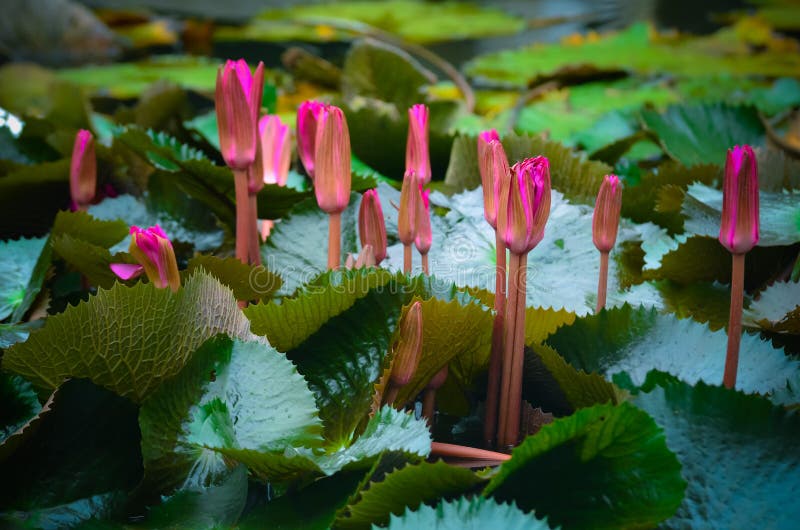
x: 777, y: 308
x: 128, y: 339
x: 731, y: 446
x: 635, y: 479
x: 247, y: 282
x: 636, y: 341
x: 464, y: 514
x: 20, y: 404
x: 18, y: 259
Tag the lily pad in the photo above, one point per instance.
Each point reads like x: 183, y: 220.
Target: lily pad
x: 18, y: 259
x: 777, y: 308
x: 467, y: 514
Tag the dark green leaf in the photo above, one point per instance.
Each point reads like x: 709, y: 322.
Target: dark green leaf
x: 463, y: 514
x: 18, y: 259
x: 776, y: 308
x: 247, y: 282
x: 20, y: 214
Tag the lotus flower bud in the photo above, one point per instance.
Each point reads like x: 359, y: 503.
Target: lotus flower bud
x: 605, y: 221
x: 739, y: 229
x: 438, y: 380
x: 307, y: 117
x: 371, y: 225
x: 153, y: 250
x: 423, y: 237
x: 83, y: 169
x: 525, y: 205
x: 408, y: 348
x: 494, y: 169
x: 417, y: 156
x: 366, y: 258
x: 273, y: 154
x: 332, y: 161
x: 407, y: 213
x: 238, y: 101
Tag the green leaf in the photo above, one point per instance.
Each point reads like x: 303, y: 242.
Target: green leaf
x: 20, y: 404
x: 778, y: 215
x: 705, y: 302
x: 703, y: 133
x: 48, y: 183
x: 18, y: 259
x: 776, y: 309
x: 231, y: 395
x: 247, y: 282
x: 406, y: 489
x: 11, y: 334
x: 128, y: 340
x: 636, y: 341
x: 90, y: 260
x: 97, y: 231
x: 467, y: 514
x: 291, y: 321
x: 612, y: 465
x: 82, y: 456
x: 736, y: 451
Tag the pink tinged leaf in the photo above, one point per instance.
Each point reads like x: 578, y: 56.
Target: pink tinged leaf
x: 126, y: 271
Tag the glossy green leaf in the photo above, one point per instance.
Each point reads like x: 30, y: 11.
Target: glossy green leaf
x: 20, y: 404
x: 18, y: 259
x: 247, y: 282
x: 776, y: 308
x: 467, y: 514
x: 736, y: 452
x: 128, y: 339
x: 636, y: 341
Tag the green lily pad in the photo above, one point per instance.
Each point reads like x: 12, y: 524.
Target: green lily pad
x: 246, y: 282
x: 467, y: 514
x: 613, y: 466
x: 776, y: 309
x: 18, y: 259
x: 128, y: 339
x: 20, y: 404
x: 736, y: 453
x: 636, y: 341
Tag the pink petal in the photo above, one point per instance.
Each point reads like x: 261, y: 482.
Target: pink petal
x: 126, y: 271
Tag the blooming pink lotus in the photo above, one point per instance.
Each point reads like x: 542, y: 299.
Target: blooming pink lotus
x: 371, y: 225
x: 83, y: 170
x: 739, y: 228
x: 307, y: 117
x: 153, y: 250
x: 525, y: 205
x: 238, y: 102
x: 417, y: 156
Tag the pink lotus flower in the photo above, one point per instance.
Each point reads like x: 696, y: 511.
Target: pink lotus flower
x: 739, y: 228
x: 493, y: 165
x: 153, y: 250
x: 371, y: 225
x: 332, y: 160
x: 423, y: 237
x: 605, y: 221
x: 307, y: 117
x: 83, y: 170
x: 238, y: 102
x: 273, y: 155
x: 525, y: 205
x: 417, y: 156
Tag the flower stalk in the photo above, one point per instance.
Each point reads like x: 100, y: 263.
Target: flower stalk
x: 423, y: 237
x: 429, y: 395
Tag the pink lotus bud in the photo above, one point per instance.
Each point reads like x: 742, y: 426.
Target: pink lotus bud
x: 494, y: 169
x: 371, y: 225
x: 407, y: 213
x: 525, y: 205
x: 238, y: 102
x: 83, y: 169
x: 307, y: 117
x: 273, y: 154
x: 153, y: 250
x: 605, y: 221
x: 332, y: 160
x: 739, y: 229
x: 417, y: 157
x: 408, y: 349
x: 423, y: 236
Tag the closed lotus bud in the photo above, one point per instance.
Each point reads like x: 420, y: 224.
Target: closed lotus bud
x: 739, y: 229
x: 525, y: 205
x: 417, y: 156
x: 494, y: 169
x: 406, y: 216
x: 366, y: 257
x: 408, y: 348
x: 238, y: 101
x: 307, y: 117
x: 273, y: 154
x: 83, y: 169
x: 438, y: 380
x: 151, y: 248
x: 332, y: 161
x: 349, y: 262
x: 371, y: 225
x: 423, y: 237
x: 605, y: 221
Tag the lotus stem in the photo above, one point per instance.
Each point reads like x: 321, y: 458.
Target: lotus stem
x: 461, y: 451
x: 518, y: 358
x: 734, y: 321
x: 425, y: 267
x: 505, y: 408
x: 407, y: 258
x: 391, y: 394
x: 334, y: 240
x: 495, y: 360
x: 429, y: 404
x: 243, y: 218
x: 602, y: 283
x: 254, y: 248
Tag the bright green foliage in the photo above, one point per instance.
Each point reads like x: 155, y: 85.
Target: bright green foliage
x: 128, y: 339
x: 465, y: 514
x: 618, y: 450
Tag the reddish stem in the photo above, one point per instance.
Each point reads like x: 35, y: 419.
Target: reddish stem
x: 508, y: 352
x: 407, y: 259
x: 518, y: 358
x: 391, y: 394
x: 334, y: 240
x: 254, y: 248
x: 461, y: 451
x: 495, y: 361
x: 429, y: 404
x: 734, y: 321
x: 602, y: 283
x: 242, y: 217
x: 425, y: 268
